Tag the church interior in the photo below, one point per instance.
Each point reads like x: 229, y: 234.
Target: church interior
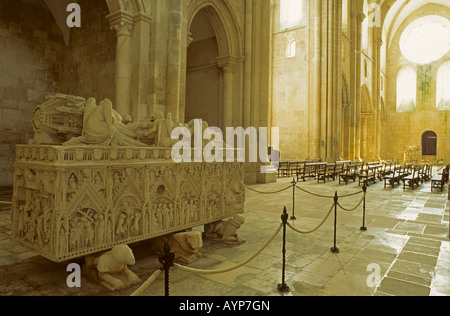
x: 362, y: 84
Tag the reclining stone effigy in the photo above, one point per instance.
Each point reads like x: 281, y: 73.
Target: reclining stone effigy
x: 91, y: 180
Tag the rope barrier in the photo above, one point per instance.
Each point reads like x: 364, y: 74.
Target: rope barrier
x: 168, y: 258
x: 147, y: 283
x: 272, y: 192
x: 315, y: 194
x: 316, y: 228
x: 354, y: 208
x: 328, y: 196
x: 200, y: 271
x: 5, y: 203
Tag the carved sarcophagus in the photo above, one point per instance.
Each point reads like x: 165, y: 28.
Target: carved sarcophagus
x: 73, y: 201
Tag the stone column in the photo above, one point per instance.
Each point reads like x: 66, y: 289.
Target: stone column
x: 174, y: 59
x: 377, y: 80
x: 139, y: 108
x: 122, y: 23
x: 227, y: 64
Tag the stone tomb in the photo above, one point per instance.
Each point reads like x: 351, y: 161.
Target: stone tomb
x: 70, y: 202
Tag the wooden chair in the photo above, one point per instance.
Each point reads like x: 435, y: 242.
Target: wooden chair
x: 338, y: 170
x: 308, y: 171
x: 412, y: 179
x: 348, y: 174
x: 283, y: 169
x: 367, y: 175
x: 322, y: 172
x: 438, y: 181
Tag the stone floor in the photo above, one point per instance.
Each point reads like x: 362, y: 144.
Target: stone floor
x: 405, y: 251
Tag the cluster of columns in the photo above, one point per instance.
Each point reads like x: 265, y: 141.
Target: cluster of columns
x: 328, y: 124
x: 132, y: 31
x: 325, y: 99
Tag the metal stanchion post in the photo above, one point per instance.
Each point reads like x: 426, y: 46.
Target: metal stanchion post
x: 166, y: 260
x: 363, y: 227
x: 282, y: 287
x: 335, y: 249
x: 293, y: 218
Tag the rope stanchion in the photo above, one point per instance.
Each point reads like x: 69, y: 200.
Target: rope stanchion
x: 219, y: 271
x: 363, y: 227
x: 167, y: 261
x: 147, y: 283
x: 293, y: 218
x: 283, y: 287
x: 335, y: 249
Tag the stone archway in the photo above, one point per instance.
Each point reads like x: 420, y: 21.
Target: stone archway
x: 213, y: 60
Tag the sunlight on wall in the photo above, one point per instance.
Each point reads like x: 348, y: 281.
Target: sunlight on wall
x: 291, y: 13
x: 406, y: 90
x: 443, y: 87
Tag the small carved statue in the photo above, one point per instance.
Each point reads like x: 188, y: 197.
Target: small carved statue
x: 185, y: 246
x: 226, y: 230
x: 115, y: 262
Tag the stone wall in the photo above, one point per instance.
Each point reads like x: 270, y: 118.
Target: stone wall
x: 35, y: 62
x: 87, y: 68
x: 30, y: 55
x: 290, y: 89
x: 402, y: 130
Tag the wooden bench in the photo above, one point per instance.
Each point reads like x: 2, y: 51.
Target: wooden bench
x: 367, y: 175
x: 396, y: 176
x: 283, y: 169
x: 308, y: 171
x: 412, y: 179
x: 295, y: 167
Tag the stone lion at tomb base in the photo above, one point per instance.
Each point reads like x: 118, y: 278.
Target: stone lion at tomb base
x: 111, y: 268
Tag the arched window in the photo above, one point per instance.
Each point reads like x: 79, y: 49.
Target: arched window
x: 291, y: 49
x: 345, y: 16
x: 406, y: 90
x: 365, y: 27
x: 429, y: 144
x: 443, y: 87
x: 291, y: 13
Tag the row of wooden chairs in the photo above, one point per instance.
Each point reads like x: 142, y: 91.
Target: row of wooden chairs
x: 345, y: 171
x: 291, y: 168
x: 409, y: 174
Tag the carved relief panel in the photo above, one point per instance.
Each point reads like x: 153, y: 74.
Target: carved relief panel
x: 69, y: 203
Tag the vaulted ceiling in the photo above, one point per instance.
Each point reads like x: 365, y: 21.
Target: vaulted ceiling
x: 395, y: 12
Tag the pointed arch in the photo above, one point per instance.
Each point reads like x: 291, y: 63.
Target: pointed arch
x: 224, y: 23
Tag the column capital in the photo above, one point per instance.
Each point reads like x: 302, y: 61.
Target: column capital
x: 359, y: 15
x: 228, y: 63
x: 122, y: 22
